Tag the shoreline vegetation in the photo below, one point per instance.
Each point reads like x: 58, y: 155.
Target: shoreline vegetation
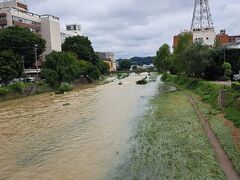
x: 21, y: 89
x: 206, y: 95
x: 169, y: 143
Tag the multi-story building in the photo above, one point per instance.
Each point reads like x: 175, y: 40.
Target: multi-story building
x: 15, y: 13
x: 224, y: 38
x: 71, y: 31
x: 109, y: 58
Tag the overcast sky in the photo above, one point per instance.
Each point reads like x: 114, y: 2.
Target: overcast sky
x: 135, y: 27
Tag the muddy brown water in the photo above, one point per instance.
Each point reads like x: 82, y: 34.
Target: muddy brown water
x: 40, y: 138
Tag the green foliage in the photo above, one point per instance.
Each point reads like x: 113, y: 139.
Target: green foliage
x: 60, y: 67
x: 210, y: 93
x: 236, y: 86
x: 21, y: 41
x: 82, y: 47
x: 197, y: 59
x: 224, y: 134
x: 10, y: 66
x: 4, y: 91
x: 17, y: 87
x: 227, y: 69
x: 103, y: 67
x: 65, y: 87
x: 169, y: 144
x: 184, y: 41
x: 234, y: 115
x: 125, y: 65
x: 162, y: 61
x: 88, y: 69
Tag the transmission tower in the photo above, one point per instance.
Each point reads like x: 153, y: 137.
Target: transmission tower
x: 201, y: 15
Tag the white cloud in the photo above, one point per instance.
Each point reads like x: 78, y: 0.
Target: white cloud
x: 134, y: 27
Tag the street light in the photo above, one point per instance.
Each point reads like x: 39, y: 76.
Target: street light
x: 35, y: 48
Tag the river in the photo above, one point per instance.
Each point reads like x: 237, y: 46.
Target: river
x: 41, y: 137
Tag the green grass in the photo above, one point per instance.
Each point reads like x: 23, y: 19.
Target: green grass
x: 209, y: 92
x: 223, y: 132
x: 225, y: 137
x: 170, y: 144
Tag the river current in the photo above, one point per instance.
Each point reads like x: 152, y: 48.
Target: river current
x: 83, y: 134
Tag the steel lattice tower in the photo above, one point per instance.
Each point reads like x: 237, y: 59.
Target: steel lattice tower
x: 201, y: 15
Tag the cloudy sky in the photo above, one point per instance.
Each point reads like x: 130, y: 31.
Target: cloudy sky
x: 135, y: 27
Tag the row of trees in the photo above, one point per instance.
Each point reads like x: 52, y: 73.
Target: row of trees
x: 77, y: 58
x: 193, y: 59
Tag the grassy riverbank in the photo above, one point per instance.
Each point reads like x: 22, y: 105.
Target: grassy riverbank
x: 228, y: 135
x: 21, y: 89
x: 206, y: 96
x: 209, y: 93
x: 170, y: 144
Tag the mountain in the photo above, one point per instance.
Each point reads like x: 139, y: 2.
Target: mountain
x: 139, y: 60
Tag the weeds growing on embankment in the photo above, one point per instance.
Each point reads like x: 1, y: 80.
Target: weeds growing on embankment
x: 170, y: 144
x: 210, y: 94
x: 223, y: 132
x: 211, y: 110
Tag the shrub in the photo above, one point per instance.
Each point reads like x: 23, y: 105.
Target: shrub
x: 64, y: 87
x: 236, y: 86
x: 17, y: 87
x: 4, y: 91
x: 142, y: 82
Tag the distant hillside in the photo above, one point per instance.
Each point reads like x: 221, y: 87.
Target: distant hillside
x: 139, y: 60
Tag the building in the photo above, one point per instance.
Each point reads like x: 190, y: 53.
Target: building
x: 205, y: 35
x: 202, y: 28
x: 225, y: 39
x: 70, y: 31
x: 109, y: 58
x: 15, y: 13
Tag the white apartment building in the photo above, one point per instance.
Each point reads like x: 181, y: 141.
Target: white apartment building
x: 15, y: 13
x: 205, y: 35
x: 70, y: 31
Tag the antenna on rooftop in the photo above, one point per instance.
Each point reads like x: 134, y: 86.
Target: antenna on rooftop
x: 201, y: 15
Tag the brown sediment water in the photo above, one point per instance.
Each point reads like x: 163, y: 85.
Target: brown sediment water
x: 40, y: 138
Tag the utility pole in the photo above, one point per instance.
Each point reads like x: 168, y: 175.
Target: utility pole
x: 35, y: 48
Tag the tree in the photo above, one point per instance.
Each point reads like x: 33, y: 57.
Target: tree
x: 21, y: 41
x: 10, y: 66
x: 185, y: 40
x: 214, y: 71
x: 227, y: 70
x: 162, y: 61
x: 197, y: 59
x: 82, y: 47
x: 60, y: 67
x: 125, y: 65
x: 103, y: 67
x: 87, y: 69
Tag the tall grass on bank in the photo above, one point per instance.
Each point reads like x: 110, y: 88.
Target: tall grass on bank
x: 222, y: 131
x: 170, y: 144
x: 210, y: 94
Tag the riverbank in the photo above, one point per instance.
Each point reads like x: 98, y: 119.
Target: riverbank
x: 170, y: 144
x: 20, y: 89
x: 220, y: 97
x: 207, y: 100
